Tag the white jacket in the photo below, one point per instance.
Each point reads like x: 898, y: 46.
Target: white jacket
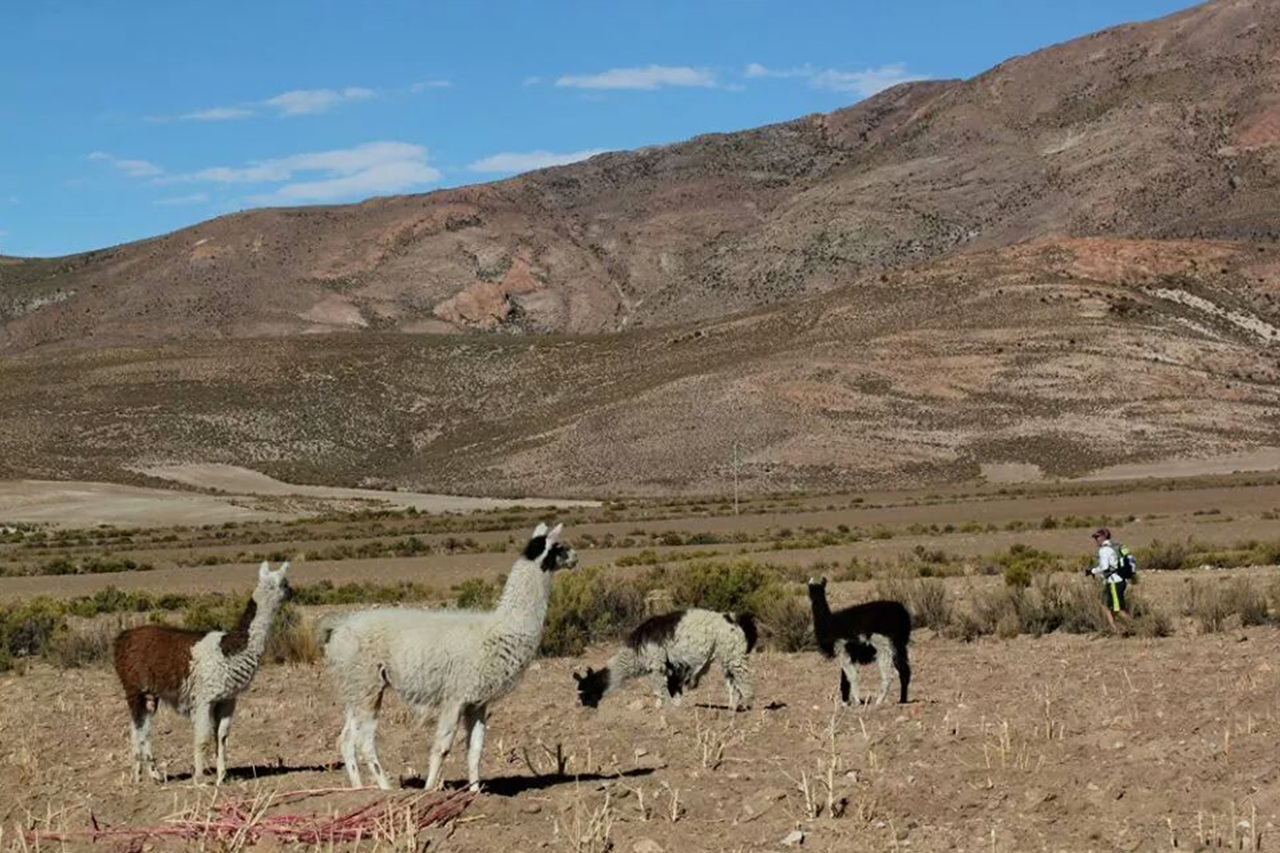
x: 1108, y: 563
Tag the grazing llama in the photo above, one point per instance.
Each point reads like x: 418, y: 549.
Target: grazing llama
x: 198, y: 673
x: 675, y: 650
x: 876, y: 631
x: 455, y: 661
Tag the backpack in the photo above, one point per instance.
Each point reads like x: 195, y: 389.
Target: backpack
x: 1126, y: 565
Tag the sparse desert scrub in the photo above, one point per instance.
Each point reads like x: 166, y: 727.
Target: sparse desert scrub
x: 925, y: 598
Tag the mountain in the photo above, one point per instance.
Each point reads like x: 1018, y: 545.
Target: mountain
x: 1068, y: 261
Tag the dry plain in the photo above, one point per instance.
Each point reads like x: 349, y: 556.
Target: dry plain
x: 1066, y: 742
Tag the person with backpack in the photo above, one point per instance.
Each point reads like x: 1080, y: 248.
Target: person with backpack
x: 1116, y: 568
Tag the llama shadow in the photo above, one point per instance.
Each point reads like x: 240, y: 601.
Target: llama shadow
x: 511, y: 786
x: 259, y: 771
x: 711, y: 706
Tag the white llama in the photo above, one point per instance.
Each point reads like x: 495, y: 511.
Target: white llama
x: 455, y: 661
x: 675, y: 650
x: 198, y: 673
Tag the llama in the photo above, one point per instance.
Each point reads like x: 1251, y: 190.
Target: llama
x: 197, y: 673
x: 675, y: 650
x: 874, y: 631
x: 455, y: 661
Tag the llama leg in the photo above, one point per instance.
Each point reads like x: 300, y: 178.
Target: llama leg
x: 347, y: 745
x: 474, y: 717
x: 222, y: 713
x: 903, y: 663
x: 736, y: 677
x: 849, y: 688
x: 363, y: 736
x: 884, y: 659
x: 446, y: 728
x: 368, y: 742
x: 148, y: 757
x: 661, y: 687
x: 202, y: 722
x: 137, y: 727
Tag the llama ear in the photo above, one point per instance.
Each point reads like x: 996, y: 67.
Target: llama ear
x: 540, y: 530
x: 264, y: 570
x: 284, y: 568
x: 554, y: 535
x: 578, y: 678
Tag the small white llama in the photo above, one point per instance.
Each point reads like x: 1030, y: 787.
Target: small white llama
x: 198, y: 673
x: 675, y: 650
x: 454, y: 661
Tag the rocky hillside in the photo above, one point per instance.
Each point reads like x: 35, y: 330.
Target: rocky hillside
x: 1167, y: 129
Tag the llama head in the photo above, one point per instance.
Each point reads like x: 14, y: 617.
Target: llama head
x: 591, y: 686
x: 273, y: 586
x: 817, y: 589
x: 546, y: 549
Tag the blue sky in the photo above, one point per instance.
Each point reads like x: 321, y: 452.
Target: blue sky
x: 122, y: 120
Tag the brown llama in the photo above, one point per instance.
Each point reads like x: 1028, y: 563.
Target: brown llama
x: 197, y: 673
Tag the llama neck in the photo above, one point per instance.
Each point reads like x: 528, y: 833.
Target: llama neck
x: 623, y: 666
x: 248, y: 639
x: 821, y: 610
x: 522, y: 608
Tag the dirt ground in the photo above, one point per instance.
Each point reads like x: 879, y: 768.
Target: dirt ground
x: 1061, y: 743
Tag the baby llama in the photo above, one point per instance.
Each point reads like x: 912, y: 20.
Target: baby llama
x: 876, y: 631
x: 457, y: 662
x: 675, y: 650
x: 197, y: 673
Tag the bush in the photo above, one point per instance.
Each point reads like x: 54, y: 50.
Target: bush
x: 926, y: 599
x: 477, y: 594
x: 587, y: 606
x: 1164, y: 556
x: 1205, y: 603
x: 740, y: 585
x: 787, y: 624
x: 71, y: 649
x: 292, y: 639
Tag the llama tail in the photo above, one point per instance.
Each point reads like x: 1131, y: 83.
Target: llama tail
x: 747, y: 622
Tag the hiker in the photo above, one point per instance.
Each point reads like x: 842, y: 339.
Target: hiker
x: 1109, y: 569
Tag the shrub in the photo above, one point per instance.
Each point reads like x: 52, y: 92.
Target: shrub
x: 1205, y: 603
x: 1164, y: 556
x: 292, y: 639
x: 587, y: 606
x: 91, y: 644
x: 1244, y: 598
x: 926, y: 599
x: 738, y: 585
x: 477, y: 594
x: 787, y: 623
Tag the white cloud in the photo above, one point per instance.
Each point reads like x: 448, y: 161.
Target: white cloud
x: 527, y: 161
x: 132, y: 168
x: 755, y: 69
x: 530, y: 81
x: 865, y: 83
x: 649, y: 77
x: 194, y: 198
x: 300, y: 102
x: 383, y: 178
x: 369, y: 169
x: 217, y: 114
x: 297, y: 102
x: 424, y: 85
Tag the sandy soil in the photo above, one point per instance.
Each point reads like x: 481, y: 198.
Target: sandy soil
x: 246, y: 496
x: 1060, y: 743
x: 1260, y: 459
